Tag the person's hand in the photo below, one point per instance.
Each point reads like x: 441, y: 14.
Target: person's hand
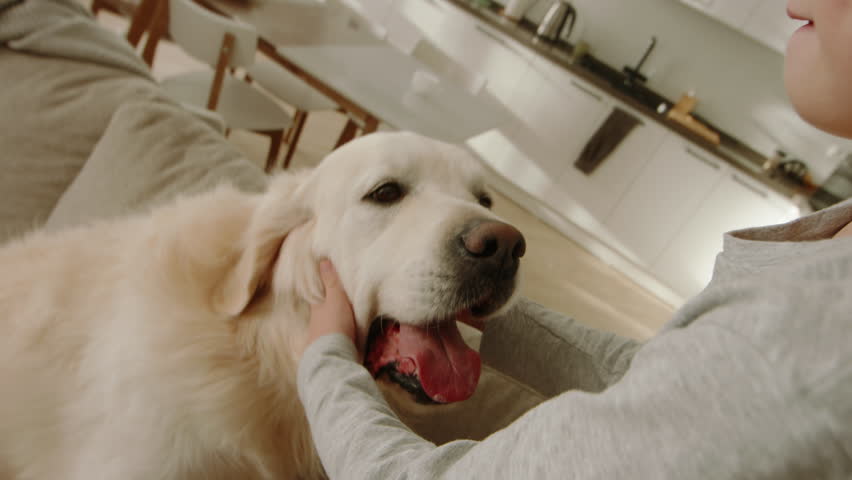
x: 334, y: 313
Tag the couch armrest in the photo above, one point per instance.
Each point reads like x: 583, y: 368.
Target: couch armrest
x: 150, y: 153
x: 55, y: 111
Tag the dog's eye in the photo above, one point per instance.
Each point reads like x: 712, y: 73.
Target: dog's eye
x: 386, y: 193
x: 485, y: 201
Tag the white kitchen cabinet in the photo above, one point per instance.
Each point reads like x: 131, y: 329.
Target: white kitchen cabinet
x: 375, y: 10
x: 482, y: 49
x: 501, y: 63
x: 734, y: 13
x: 427, y: 16
x: 563, y: 111
x: 770, y: 25
x: 408, y: 21
x: 662, y: 198
x: 476, y: 47
x: 736, y: 202
x: 601, y: 190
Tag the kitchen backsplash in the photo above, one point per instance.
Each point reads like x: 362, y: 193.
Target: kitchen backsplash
x: 742, y: 93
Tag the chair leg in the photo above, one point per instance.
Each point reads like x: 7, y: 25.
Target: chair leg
x: 371, y: 124
x: 347, y: 134
x: 293, y: 136
x: 275, y: 139
x: 157, y: 29
x: 288, y: 135
x: 142, y: 20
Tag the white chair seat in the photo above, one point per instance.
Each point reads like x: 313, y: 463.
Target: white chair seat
x: 241, y: 105
x: 288, y: 87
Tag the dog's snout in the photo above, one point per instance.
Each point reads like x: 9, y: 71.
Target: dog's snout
x: 493, y: 240
x: 484, y: 259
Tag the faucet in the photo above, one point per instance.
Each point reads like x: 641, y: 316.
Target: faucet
x: 634, y: 74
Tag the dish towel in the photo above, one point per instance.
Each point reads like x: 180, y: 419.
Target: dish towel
x: 617, y: 126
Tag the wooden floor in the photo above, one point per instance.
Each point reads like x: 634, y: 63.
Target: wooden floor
x: 556, y: 271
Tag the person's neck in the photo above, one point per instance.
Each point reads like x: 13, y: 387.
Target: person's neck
x: 845, y: 231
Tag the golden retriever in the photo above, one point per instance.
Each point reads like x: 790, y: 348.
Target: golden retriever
x: 164, y: 345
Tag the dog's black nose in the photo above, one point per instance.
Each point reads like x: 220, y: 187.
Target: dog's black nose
x: 493, y: 241
x: 485, y: 258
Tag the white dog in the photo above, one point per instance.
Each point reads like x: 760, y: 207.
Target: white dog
x: 163, y: 346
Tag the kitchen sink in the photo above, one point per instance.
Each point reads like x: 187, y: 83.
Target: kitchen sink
x: 623, y: 83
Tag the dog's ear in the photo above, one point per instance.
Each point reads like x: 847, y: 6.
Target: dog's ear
x: 280, y: 211
x: 299, y: 280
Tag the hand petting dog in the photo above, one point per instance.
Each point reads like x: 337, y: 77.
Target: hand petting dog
x: 334, y: 314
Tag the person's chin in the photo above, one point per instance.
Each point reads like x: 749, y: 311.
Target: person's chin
x: 802, y: 41
x: 810, y: 85
x: 801, y: 66
x: 816, y: 107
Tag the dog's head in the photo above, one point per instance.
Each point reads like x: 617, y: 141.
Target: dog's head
x: 407, y: 223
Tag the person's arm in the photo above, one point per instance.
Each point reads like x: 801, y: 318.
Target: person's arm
x: 695, y: 401
x: 553, y: 353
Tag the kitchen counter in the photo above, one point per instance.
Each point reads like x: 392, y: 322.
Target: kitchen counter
x: 639, y: 97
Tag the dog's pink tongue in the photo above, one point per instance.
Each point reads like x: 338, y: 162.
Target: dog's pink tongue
x: 447, y: 368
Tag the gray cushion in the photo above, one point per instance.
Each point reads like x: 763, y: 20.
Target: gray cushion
x: 151, y: 152
x: 54, y: 111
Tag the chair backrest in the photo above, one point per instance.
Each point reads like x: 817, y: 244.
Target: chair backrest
x: 201, y: 32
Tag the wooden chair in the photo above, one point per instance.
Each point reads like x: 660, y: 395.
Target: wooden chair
x: 304, y: 98
x: 224, y: 45
x: 141, y: 13
x: 294, y: 91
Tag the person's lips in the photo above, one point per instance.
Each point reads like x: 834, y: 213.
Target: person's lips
x: 798, y: 16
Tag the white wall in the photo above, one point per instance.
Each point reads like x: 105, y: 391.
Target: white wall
x: 735, y: 78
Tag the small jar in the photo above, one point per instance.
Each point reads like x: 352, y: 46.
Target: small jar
x: 515, y: 9
x: 770, y: 166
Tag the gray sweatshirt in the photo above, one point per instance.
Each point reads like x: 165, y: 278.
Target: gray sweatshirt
x: 751, y: 379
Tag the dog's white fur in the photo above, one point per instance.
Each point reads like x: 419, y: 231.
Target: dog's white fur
x: 164, y: 345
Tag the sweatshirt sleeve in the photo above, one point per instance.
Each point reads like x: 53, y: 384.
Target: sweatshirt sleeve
x: 553, y: 353
x: 681, y: 411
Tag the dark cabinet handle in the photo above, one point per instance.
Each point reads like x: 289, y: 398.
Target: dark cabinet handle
x: 493, y: 36
x: 587, y: 91
x: 750, y: 186
x: 709, y: 163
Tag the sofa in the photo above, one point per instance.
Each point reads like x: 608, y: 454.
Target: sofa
x: 87, y: 134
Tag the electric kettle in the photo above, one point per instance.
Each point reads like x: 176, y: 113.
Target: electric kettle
x: 553, y: 26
